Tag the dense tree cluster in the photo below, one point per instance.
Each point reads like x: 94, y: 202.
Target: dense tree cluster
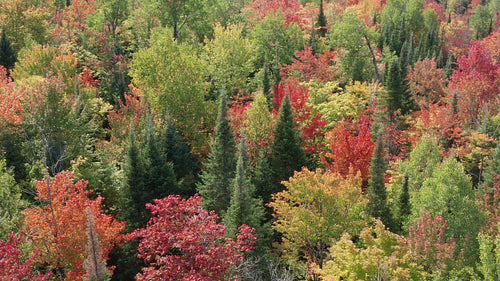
x: 249, y: 140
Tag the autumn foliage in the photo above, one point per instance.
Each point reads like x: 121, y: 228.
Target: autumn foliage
x: 184, y: 242
x: 310, y: 124
x: 11, y: 111
x: 351, y: 148
x: 58, y: 227
x: 11, y: 266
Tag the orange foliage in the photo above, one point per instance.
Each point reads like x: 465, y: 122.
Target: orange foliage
x: 59, y: 227
x: 308, y: 66
x: 426, y: 81
x: 11, y: 96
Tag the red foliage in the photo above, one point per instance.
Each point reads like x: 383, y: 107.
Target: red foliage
x: 184, y: 242
x: 436, y: 120
x: 351, y: 148
x: 236, y: 113
x: 438, y: 9
x: 311, y: 126
x: 477, y: 83
x: 129, y: 114
x: 428, y: 243
x: 11, y: 96
x: 292, y: 11
x: 308, y: 66
x: 426, y: 81
x: 59, y: 227
x: 11, y: 267
x: 86, y: 78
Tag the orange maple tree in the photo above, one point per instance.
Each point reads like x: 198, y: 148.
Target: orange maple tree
x: 11, y: 110
x: 58, y: 229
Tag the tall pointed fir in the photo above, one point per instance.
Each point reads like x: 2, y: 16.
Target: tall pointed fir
x: 179, y: 154
x: 377, y: 194
x: 218, y: 171
x: 244, y: 208
x: 397, y: 97
x: 286, y: 155
x: 403, y: 207
x: 160, y: 174
x: 7, y: 55
x: 321, y: 22
x: 94, y: 264
x: 134, y: 208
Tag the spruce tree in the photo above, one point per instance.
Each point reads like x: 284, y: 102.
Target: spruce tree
x: 218, y: 171
x: 491, y: 171
x: 178, y: 153
x: 287, y: 155
x: 7, y: 55
x: 403, y: 205
x: 377, y: 194
x: 322, y: 22
x: 398, y: 98
x: 244, y: 208
x: 134, y: 202
x: 160, y: 174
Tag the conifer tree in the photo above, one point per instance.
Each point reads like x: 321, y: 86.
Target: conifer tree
x: 134, y: 202
x: 7, y: 56
x: 218, y: 171
x: 492, y: 170
x: 160, y: 173
x: 179, y: 154
x: 322, y: 22
x: 376, y: 193
x: 403, y: 205
x: 94, y: 264
x: 244, y: 208
x: 287, y: 155
x: 397, y: 97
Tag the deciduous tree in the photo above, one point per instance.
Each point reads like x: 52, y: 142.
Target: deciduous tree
x: 183, y: 241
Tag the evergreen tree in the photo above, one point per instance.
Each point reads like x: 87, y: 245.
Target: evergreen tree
x: 244, y: 208
x: 398, y: 98
x: 218, y: 171
x: 322, y: 22
x: 134, y: 202
x: 492, y: 170
x: 160, y: 174
x: 266, y: 85
x: 286, y: 155
x: 403, y: 205
x: 377, y: 194
x: 7, y: 56
x: 94, y: 265
x: 448, y: 70
x: 179, y: 154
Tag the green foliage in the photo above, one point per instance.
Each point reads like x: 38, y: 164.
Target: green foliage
x: 321, y: 21
x: 218, y: 171
x: 276, y: 43
x: 230, y: 58
x: 244, y: 207
x: 315, y: 210
x: 351, y: 37
x: 492, y: 170
x: 286, y: 155
x: 482, y: 21
x: 397, y: 96
x: 7, y: 55
x: 178, y: 85
x: 377, y: 195
x: 449, y: 192
x: 378, y: 255
x: 10, y: 205
x: 258, y: 126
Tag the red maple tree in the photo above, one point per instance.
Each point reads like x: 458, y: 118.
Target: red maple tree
x: 11, y: 267
x: 183, y: 241
x: 308, y: 66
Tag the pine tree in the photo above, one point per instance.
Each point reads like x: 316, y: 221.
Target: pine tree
x: 179, y: 154
x: 448, y: 70
x: 218, y: 171
x: 7, y: 56
x: 322, y: 22
x: 287, y: 155
x: 244, y: 208
x: 492, y: 170
x: 377, y: 194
